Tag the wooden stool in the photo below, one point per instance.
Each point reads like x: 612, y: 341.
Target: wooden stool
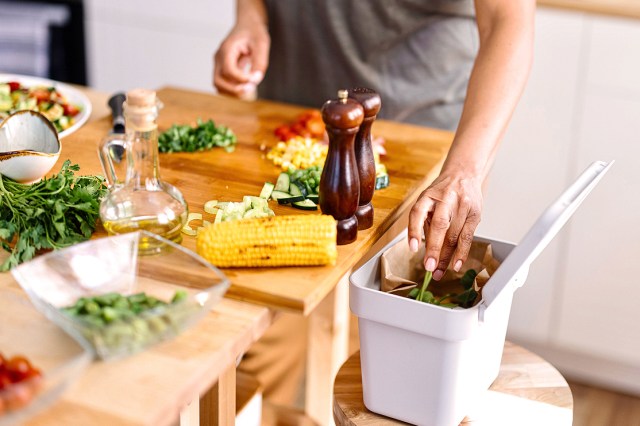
x: 528, y: 391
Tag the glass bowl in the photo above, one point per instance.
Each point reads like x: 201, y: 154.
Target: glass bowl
x: 60, y: 359
x: 114, y: 265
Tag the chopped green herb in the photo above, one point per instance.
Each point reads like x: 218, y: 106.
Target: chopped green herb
x: 205, y: 135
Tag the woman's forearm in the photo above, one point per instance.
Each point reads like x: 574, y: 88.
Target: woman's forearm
x: 251, y: 12
x: 496, y: 83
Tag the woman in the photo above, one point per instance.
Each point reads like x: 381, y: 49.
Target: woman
x: 440, y: 63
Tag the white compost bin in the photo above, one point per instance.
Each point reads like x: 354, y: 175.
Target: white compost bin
x: 426, y: 364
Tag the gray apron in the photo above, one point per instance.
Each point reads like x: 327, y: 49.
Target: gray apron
x: 417, y: 54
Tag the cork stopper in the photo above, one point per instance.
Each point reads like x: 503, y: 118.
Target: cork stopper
x: 141, y: 98
x: 141, y: 110
x: 342, y: 113
x: 368, y: 98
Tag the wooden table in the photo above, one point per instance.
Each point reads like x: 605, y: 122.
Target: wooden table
x: 414, y: 158
x: 528, y: 391
x: 154, y: 386
x: 164, y: 382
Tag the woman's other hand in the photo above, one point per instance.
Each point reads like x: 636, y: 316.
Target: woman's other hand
x: 243, y: 56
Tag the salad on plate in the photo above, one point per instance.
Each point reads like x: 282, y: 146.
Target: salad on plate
x: 47, y: 100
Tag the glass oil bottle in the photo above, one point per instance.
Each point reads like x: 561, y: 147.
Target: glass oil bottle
x: 142, y: 201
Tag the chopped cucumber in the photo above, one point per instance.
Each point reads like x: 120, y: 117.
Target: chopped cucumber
x: 283, y: 182
x: 314, y: 197
x: 297, y: 189
x: 305, y: 205
x: 259, y: 203
x: 276, y: 195
x: 267, y: 189
x: 5, y: 102
x: 382, y: 181
x: 290, y: 199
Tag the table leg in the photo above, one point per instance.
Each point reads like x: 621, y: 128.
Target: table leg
x: 190, y: 415
x: 328, y: 345
x: 218, y: 405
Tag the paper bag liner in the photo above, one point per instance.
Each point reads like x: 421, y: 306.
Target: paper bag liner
x: 402, y: 270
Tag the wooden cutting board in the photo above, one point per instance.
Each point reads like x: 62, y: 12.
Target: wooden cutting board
x: 414, y: 158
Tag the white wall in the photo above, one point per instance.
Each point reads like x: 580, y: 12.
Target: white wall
x: 579, y: 306
x: 153, y: 43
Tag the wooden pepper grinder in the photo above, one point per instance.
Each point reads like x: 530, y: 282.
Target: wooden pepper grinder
x: 371, y: 104
x: 339, y: 184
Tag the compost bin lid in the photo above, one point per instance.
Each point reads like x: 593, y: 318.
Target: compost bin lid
x: 542, y: 232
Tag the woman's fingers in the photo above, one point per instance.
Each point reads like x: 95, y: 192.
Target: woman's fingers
x: 417, y: 219
x: 450, y: 243
x: 435, y: 230
x: 448, y: 212
x: 466, y: 238
x: 240, y: 63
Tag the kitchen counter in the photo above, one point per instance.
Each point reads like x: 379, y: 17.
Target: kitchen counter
x: 621, y: 8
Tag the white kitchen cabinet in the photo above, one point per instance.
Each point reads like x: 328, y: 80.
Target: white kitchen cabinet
x: 578, y: 307
x: 531, y: 166
x: 154, y: 43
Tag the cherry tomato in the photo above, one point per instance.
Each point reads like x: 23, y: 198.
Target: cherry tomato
x: 71, y: 110
x: 13, y: 86
x: 41, y: 95
x: 18, y: 397
x: 18, y: 368
x: 316, y: 127
x: 5, y: 381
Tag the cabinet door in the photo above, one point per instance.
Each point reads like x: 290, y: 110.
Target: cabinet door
x: 531, y: 168
x: 600, y: 302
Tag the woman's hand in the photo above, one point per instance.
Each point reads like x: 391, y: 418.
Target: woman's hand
x: 449, y: 212
x: 242, y: 58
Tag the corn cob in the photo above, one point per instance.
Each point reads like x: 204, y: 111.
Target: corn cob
x: 271, y: 241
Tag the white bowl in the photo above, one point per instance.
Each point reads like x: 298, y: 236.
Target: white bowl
x: 29, y: 146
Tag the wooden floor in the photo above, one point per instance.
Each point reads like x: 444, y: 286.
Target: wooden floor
x: 599, y: 407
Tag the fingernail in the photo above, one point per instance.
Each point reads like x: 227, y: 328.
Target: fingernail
x: 256, y: 77
x: 430, y: 265
x: 413, y: 245
x: 438, y: 274
x: 457, y: 266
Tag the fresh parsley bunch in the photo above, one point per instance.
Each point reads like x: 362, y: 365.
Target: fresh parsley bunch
x: 53, y: 213
x: 205, y: 135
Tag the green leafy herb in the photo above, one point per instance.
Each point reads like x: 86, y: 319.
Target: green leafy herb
x: 464, y: 299
x: 53, y: 213
x: 468, y: 278
x: 205, y: 135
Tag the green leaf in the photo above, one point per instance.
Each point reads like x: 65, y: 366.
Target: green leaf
x: 413, y: 293
x: 468, y: 278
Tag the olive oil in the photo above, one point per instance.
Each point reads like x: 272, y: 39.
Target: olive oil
x: 143, y: 201
x: 170, y: 231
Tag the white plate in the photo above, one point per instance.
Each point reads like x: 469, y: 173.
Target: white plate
x: 73, y: 96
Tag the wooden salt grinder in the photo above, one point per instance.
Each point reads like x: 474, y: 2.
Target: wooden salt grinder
x: 371, y: 104
x: 339, y: 184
